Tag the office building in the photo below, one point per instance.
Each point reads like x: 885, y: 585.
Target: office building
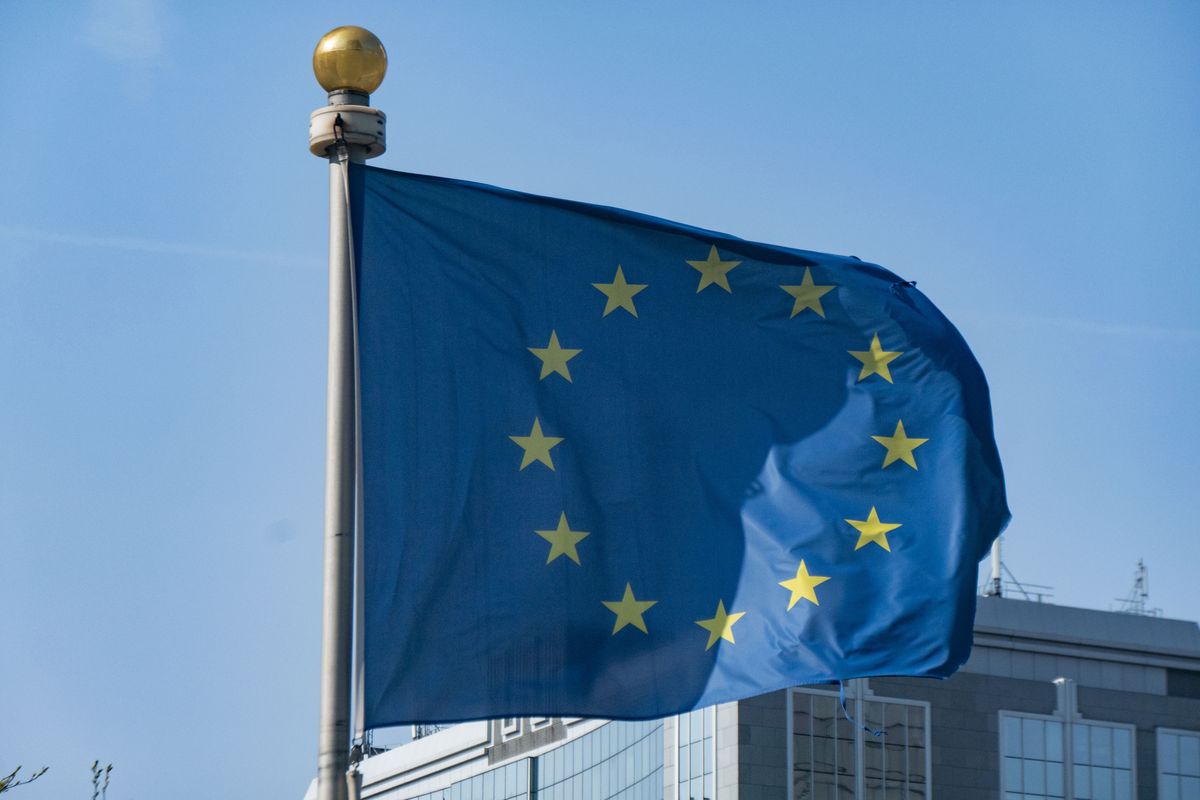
x: 1055, y: 702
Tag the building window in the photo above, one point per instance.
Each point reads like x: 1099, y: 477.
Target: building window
x: 1039, y: 754
x: 894, y: 764
x: 823, y: 747
x: 827, y: 748
x: 510, y: 728
x: 1032, y: 753
x: 1178, y: 764
x: 617, y: 761
x: 1102, y: 761
x: 694, y: 759
x: 510, y: 782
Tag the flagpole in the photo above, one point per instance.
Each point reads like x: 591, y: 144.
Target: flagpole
x: 349, y: 63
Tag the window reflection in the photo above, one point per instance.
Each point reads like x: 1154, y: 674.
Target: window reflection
x: 1032, y: 753
x: 618, y: 761
x: 1179, y: 765
x: 1107, y: 774
x: 824, y: 743
x: 695, y: 754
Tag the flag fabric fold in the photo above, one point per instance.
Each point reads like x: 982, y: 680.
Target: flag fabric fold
x: 616, y: 466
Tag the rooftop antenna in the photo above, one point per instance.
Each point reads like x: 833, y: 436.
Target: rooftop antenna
x: 1136, y: 602
x: 1002, y: 582
x: 995, y: 587
x: 428, y: 729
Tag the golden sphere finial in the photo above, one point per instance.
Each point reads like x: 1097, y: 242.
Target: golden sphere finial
x: 350, y: 58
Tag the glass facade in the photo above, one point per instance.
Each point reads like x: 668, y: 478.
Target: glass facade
x: 509, y: 782
x: 617, y: 761
x: 695, y: 756
x: 894, y: 764
x: 1178, y: 765
x: 826, y: 746
x: 620, y: 760
x: 823, y: 749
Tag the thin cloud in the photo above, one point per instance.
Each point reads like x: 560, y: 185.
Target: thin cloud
x: 153, y: 246
x: 126, y: 30
x: 1087, y: 327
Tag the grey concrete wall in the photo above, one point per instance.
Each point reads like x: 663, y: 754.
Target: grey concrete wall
x: 1084, y: 671
x: 762, y: 748
x: 1148, y: 712
x: 965, y: 725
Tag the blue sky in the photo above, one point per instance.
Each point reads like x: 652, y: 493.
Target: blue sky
x: 162, y: 297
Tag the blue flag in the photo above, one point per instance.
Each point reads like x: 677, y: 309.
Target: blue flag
x: 616, y: 466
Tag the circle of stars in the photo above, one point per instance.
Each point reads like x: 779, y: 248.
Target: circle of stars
x: 714, y: 270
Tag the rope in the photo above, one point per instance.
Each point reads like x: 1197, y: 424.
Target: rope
x: 842, y: 698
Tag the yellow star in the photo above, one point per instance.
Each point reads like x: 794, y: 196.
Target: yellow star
x: 714, y: 270
x: 554, y: 358
x: 899, y: 446
x: 619, y: 293
x: 803, y: 585
x: 875, y: 361
x: 563, y: 540
x: 872, y: 530
x: 808, y: 294
x: 536, y: 446
x: 629, y: 611
x: 720, y: 626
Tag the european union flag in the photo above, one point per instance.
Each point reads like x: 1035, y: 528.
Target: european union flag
x: 616, y: 466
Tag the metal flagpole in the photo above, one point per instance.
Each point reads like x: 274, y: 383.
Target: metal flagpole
x: 349, y: 63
